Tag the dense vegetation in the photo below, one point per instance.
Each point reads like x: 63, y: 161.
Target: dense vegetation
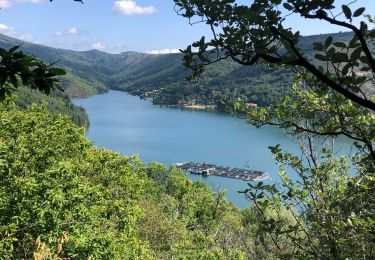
x: 63, y: 197
x: 57, y: 102
x: 163, y: 80
x: 332, y: 200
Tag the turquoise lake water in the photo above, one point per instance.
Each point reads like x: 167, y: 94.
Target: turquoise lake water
x: 129, y: 125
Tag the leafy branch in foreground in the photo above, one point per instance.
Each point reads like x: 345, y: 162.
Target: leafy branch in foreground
x: 320, y: 114
x: 255, y: 33
x: 331, y: 199
x: 17, y: 68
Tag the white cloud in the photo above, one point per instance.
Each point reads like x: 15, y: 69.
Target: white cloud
x: 72, y: 31
x: 9, y: 3
x: 98, y: 45
x: 164, y: 51
x: 69, y: 31
x: 58, y: 34
x: 130, y: 7
x: 10, y: 31
x: 28, y: 38
x: 5, y: 28
x: 6, y: 3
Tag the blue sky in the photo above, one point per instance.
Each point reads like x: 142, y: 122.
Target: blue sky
x: 116, y: 26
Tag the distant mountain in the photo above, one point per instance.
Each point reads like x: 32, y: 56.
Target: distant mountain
x: 88, y: 71
x: 83, y: 73
x: 162, y: 77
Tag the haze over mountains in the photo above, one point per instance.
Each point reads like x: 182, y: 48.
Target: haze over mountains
x: 162, y: 77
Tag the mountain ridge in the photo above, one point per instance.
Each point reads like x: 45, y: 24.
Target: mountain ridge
x: 162, y: 77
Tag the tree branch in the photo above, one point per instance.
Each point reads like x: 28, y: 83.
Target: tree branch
x: 326, y: 80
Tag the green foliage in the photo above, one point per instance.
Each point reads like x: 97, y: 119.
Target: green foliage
x: 255, y: 33
x: 61, y: 197
x: 332, y: 210
x: 17, y: 66
x: 332, y: 199
x: 58, y: 103
x: 326, y: 210
x: 55, y: 183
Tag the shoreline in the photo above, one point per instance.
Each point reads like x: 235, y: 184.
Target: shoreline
x: 210, y: 107
x: 184, y: 106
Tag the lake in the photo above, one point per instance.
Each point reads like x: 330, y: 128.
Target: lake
x: 126, y: 124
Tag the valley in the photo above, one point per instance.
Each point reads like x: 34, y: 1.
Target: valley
x: 161, y: 78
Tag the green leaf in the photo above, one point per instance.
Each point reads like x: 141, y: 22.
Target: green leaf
x: 363, y: 59
x: 356, y: 54
x: 318, y: 46
x: 328, y: 41
x: 321, y: 57
x: 57, y: 71
x: 339, y: 57
x: 346, y: 68
x: 347, y: 11
x: 331, y: 52
x: 359, y: 11
x: 340, y: 44
x: 353, y: 42
x: 288, y: 6
x: 363, y: 26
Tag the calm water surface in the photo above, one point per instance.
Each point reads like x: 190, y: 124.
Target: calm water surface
x: 129, y: 125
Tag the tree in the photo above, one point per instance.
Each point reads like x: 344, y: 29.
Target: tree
x: 251, y: 34
x: 332, y: 200
x: 331, y: 203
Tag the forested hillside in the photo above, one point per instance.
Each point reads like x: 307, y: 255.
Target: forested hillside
x: 83, y: 74
x: 57, y: 103
x: 162, y: 77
